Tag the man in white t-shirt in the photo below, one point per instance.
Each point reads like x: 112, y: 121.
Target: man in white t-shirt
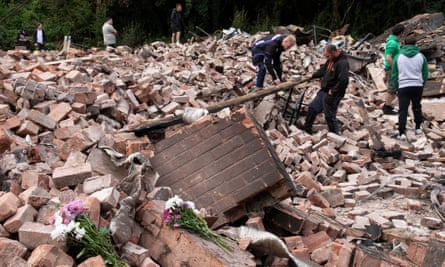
x: 39, y: 37
x: 109, y: 33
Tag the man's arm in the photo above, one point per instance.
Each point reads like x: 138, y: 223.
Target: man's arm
x: 320, y: 72
x: 389, y: 60
x: 395, y: 74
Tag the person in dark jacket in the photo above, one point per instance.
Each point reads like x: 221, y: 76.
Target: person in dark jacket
x: 39, y: 37
x: 23, y: 39
x: 335, y: 79
x: 175, y: 21
x: 409, y: 75
x: 266, y: 55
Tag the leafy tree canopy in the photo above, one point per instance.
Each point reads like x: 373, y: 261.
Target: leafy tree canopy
x: 139, y: 22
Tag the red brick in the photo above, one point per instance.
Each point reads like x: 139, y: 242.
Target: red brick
x: 321, y: 254
x: 49, y: 255
x: 10, y: 123
x: 24, y: 214
x: 28, y: 127
x: 307, y: 179
x: 66, y: 176
x: 9, y: 203
x: 33, y: 234
x: 341, y: 253
x: 5, y: 141
x: 9, y: 249
x: 294, y: 242
x: 93, y: 262
x: 317, y: 199
x: 59, y: 111
x: 133, y: 254
x: 364, y: 259
x: 256, y: 222
x: 170, y: 246
x: 32, y: 178
x: 316, y: 240
x: 416, y: 252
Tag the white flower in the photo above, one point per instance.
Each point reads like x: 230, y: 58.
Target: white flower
x: 191, y: 205
x: 58, y: 233
x: 173, y: 202
x: 58, y: 220
x: 80, y: 232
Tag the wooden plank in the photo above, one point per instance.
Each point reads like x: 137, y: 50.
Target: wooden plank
x: 86, y: 58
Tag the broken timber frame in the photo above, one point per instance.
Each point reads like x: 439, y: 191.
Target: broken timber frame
x: 156, y: 124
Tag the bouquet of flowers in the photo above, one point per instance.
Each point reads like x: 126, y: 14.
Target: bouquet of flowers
x: 82, y: 235
x: 183, y: 214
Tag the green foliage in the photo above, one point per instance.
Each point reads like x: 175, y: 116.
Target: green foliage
x: 263, y: 23
x: 132, y: 35
x: 138, y: 21
x: 240, y: 19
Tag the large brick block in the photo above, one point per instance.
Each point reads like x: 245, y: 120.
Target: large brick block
x: 32, y: 235
x: 71, y: 175
x: 170, y: 246
x: 221, y: 164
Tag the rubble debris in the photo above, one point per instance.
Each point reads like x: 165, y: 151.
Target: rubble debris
x: 73, y: 127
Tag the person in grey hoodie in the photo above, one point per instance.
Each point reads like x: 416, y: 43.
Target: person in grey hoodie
x: 409, y: 74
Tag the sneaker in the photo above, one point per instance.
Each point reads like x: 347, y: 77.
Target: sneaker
x: 419, y: 130
x: 388, y: 110
x: 401, y: 137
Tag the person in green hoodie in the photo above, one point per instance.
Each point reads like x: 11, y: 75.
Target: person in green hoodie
x: 409, y: 74
x: 392, y: 49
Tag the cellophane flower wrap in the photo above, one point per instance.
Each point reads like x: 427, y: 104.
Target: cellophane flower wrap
x: 82, y: 236
x: 183, y: 214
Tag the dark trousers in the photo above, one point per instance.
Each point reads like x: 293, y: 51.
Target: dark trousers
x: 40, y: 46
x: 327, y: 104
x: 262, y: 74
x: 407, y: 95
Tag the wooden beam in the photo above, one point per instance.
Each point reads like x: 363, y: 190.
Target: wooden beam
x: 156, y: 124
x: 86, y: 58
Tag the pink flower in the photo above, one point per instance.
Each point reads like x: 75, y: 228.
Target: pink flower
x: 166, y: 216
x: 176, y: 225
x: 75, y: 208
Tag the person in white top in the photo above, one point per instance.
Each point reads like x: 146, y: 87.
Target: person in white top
x: 39, y: 37
x: 409, y: 75
x: 109, y: 33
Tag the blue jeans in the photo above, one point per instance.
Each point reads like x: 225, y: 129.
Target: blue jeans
x: 260, y: 76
